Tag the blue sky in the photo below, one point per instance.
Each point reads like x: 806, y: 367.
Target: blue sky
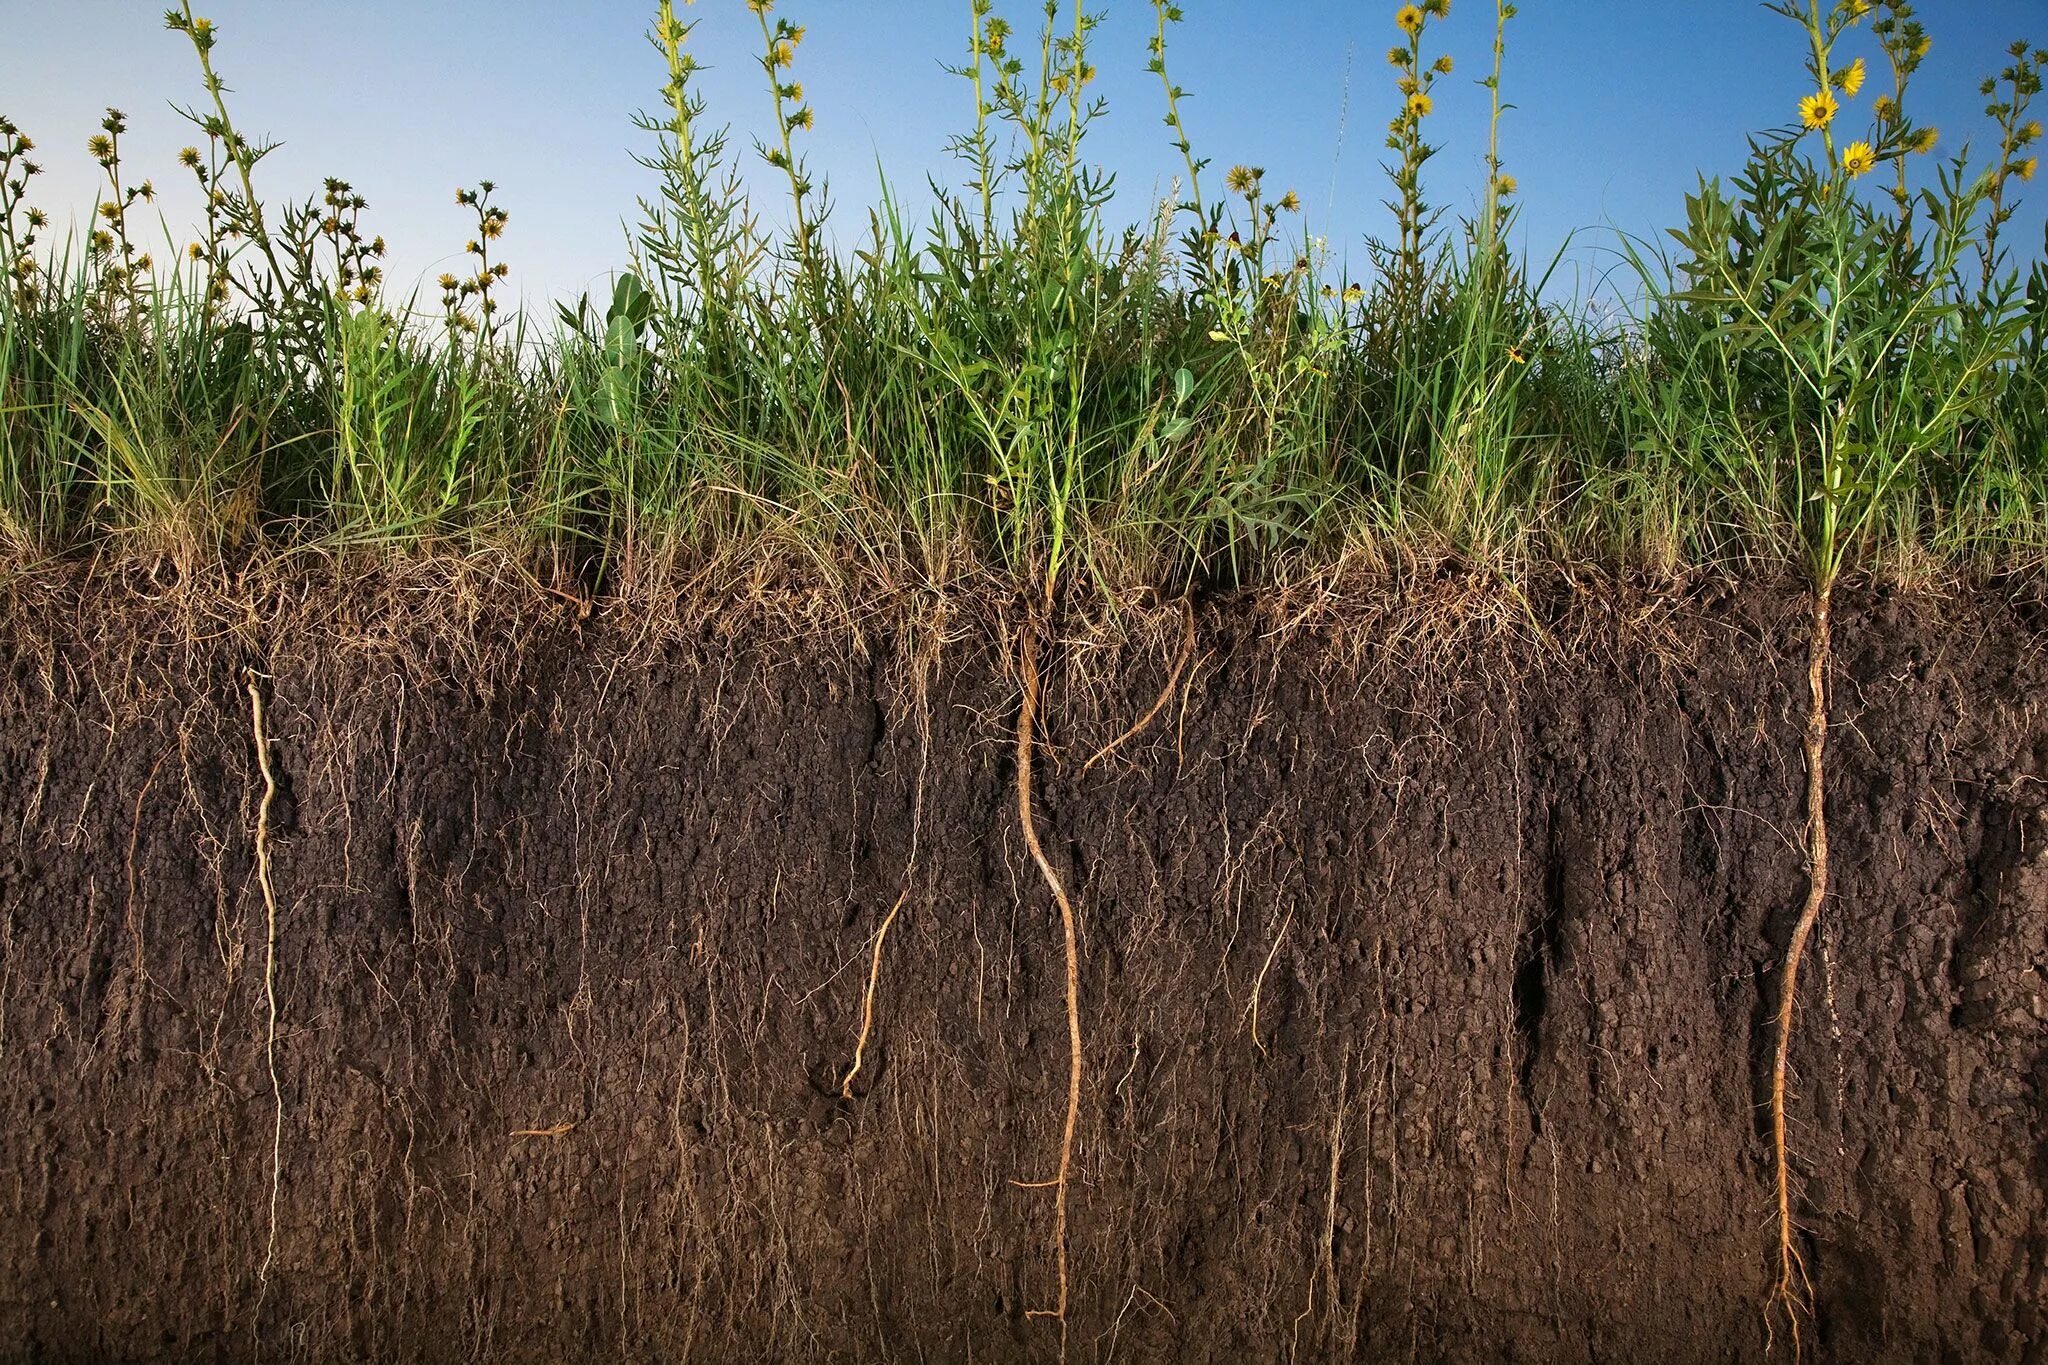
x: 1620, y: 104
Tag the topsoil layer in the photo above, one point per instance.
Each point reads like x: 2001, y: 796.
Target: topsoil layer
x: 1425, y: 989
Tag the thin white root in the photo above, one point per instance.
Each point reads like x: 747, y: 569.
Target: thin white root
x: 263, y: 881
x: 867, y: 1008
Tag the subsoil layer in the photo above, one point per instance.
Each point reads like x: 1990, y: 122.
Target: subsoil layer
x: 1425, y: 981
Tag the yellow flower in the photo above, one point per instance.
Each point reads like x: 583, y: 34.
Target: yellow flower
x: 1924, y: 140
x: 1397, y: 57
x: 2025, y: 169
x: 1886, y: 109
x: 1507, y: 185
x: 1443, y: 65
x: 1290, y: 202
x: 1243, y: 180
x: 1420, y: 105
x: 1410, y: 20
x: 1818, y: 110
x: 2029, y: 132
x: 1858, y: 159
x: 1850, y: 78
x: 196, y: 252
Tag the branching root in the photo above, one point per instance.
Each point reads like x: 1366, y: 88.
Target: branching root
x: 1180, y: 665
x: 1027, y: 720
x: 1791, y: 1293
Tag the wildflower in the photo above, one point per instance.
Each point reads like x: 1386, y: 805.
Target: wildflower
x: 1858, y: 159
x: 189, y: 158
x: 1290, y: 202
x: 1443, y: 65
x: 1818, y: 110
x: 1397, y: 57
x: 1410, y: 20
x: 1420, y: 105
x: 196, y: 252
x: 2029, y: 132
x: 1438, y: 8
x: 1850, y: 79
x: 1507, y: 185
x: 102, y: 241
x: 101, y: 147
x: 1515, y: 354
x: 2025, y: 169
x: 37, y: 219
x: 1243, y: 179
x: 1353, y: 293
x: 804, y: 119
x: 448, y: 283
x: 110, y: 212
x: 1886, y: 109
x: 1924, y: 140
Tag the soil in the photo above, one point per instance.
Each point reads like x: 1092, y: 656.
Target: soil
x: 1425, y: 981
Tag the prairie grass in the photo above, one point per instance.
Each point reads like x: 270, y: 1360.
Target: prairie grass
x: 1828, y: 368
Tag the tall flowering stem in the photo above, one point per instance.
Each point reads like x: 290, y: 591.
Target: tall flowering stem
x: 2010, y: 93
x: 1404, y: 138
x: 779, y: 45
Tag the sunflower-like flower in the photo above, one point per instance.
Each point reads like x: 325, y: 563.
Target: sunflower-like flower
x: 1409, y: 17
x: 1507, y: 185
x: 1858, y: 159
x: 1818, y: 110
x: 1924, y: 140
x: 1850, y: 78
x: 189, y: 158
x: 2025, y: 169
x: 1443, y: 65
x: 1886, y: 109
x: 1290, y: 202
x: 1420, y: 105
x: 1243, y: 179
x: 1397, y: 57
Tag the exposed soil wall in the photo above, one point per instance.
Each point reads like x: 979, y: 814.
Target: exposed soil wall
x: 1425, y: 993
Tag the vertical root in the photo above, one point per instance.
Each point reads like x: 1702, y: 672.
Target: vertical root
x: 867, y: 1008
x: 1791, y: 1292
x: 1027, y: 720
x: 263, y: 881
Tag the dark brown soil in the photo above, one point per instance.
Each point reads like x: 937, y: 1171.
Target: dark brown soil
x: 1426, y: 994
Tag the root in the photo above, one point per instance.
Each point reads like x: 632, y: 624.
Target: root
x: 1027, y: 720
x: 1792, y: 1292
x: 867, y: 1007
x: 1259, y: 985
x: 1187, y: 652
x: 263, y: 881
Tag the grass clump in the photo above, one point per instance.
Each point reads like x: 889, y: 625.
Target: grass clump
x: 1828, y: 366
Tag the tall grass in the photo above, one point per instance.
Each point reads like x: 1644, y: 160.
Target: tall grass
x: 1827, y: 369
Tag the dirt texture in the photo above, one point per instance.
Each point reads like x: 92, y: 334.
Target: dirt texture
x: 1425, y: 979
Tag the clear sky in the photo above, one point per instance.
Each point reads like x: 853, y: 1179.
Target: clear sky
x: 1621, y: 103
